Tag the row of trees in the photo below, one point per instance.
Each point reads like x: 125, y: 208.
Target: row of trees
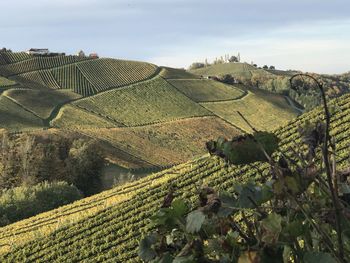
x: 218, y: 60
x: 26, y: 160
x: 26, y: 201
x: 308, y: 97
x: 40, y: 173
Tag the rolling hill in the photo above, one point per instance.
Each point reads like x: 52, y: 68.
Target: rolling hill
x: 109, y: 100
x: 107, y: 226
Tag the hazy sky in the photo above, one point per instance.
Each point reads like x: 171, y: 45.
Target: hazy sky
x: 291, y: 34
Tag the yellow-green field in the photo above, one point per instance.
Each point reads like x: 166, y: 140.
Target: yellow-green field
x: 15, y: 118
x: 42, y: 102
x: 261, y: 113
x: 202, y: 90
x: 148, y: 102
x: 166, y: 143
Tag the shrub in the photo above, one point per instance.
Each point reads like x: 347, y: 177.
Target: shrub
x: 26, y: 201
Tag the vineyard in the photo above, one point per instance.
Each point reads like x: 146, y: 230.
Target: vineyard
x: 11, y: 57
x: 107, y: 73
x: 107, y: 226
x: 15, y: 118
x: 207, y: 90
x: 37, y: 63
x: 222, y: 69
x: 172, y: 73
x: 41, y: 102
x: 82, y: 75
x: 261, y: 113
x: 4, y: 82
x: 73, y: 117
x: 149, y: 102
x: 166, y: 143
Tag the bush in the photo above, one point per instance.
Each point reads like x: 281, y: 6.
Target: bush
x: 26, y: 201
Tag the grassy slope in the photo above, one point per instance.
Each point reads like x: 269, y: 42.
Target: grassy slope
x: 108, y: 226
x: 263, y: 114
x: 167, y: 143
x: 174, y: 73
x: 15, y: 118
x: 221, y: 69
x: 72, y: 117
x: 42, y: 102
x: 206, y: 90
x: 149, y: 102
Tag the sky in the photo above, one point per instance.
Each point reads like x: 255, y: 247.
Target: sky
x: 308, y: 35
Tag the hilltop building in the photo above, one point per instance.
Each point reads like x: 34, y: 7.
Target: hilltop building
x: 38, y: 51
x: 93, y: 55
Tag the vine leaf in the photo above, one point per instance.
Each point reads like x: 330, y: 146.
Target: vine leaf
x: 194, y: 221
x: 249, y: 257
x: 146, y: 252
x: 317, y: 257
x: 244, y: 149
x: 272, y: 227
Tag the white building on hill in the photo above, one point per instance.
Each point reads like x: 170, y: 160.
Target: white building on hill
x: 38, y: 51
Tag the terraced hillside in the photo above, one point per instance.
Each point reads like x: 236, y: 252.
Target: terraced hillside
x: 107, y: 226
x: 148, y: 102
x: 260, y: 112
x: 173, y: 73
x: 166, y: 143
x: 204, y: 90
x: 100, y: 98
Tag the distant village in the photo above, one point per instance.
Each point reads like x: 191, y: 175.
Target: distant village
x: 48, y: 53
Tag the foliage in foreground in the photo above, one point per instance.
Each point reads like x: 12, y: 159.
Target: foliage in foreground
x: 26, y: 201
x: 296, y: 215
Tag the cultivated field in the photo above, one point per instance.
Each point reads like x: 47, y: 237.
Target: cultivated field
x: 202, y: 90
x: 173, y: 73
x: 15, y: 118
x: 222, y: 69
x: 262, y: 114
x: 167, y: 143
x: 148, y: 102
x: 108, y: 226
x: 40, y: 102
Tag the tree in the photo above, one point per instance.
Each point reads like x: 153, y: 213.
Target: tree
x: 272, y: 67
x: 265, y: 67
x: 228, y: 79
x: 196, y: 65
x: 233, y: 59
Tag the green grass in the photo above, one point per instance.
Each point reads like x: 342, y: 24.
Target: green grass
x: 148, y: 102
x: 71, y: 117
x: 108, y: 226
x: 207, y: 90
x: 15, y: 118
x: 174, y: 73
x: 261, y: 113
x: 42, y: 102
